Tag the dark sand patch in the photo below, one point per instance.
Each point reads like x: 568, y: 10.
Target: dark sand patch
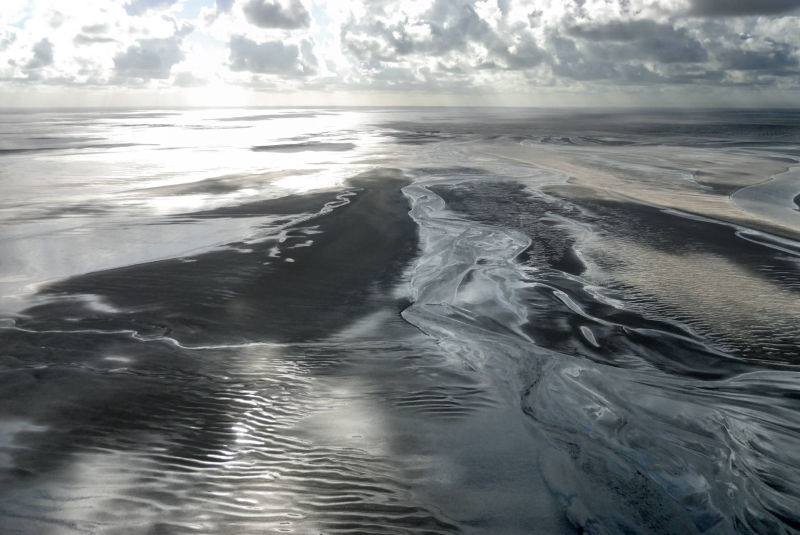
x: 419, y: 137
x: 227, y: 296
x: 188, y: 400
x: 220, y: 184
x: 271, y: 116
x: 292, y: 204
x: 303, y: 147
x: 12, y: 152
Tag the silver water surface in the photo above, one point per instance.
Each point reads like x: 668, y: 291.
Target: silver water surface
x: 395, y: 321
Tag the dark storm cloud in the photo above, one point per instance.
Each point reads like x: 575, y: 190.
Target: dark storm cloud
x: 524, y: 55
x: 265, y: 14
x: 733, y: 8
x: 649, y: 53
x: 642, y: 39
x: 392, y: 50
x: 572, y: 62
x: 568, y: 61
x: 272, y: 57
x: 778, y: 61
x: 42, y: 55
x: 703, y: 76
x: 149, y: 58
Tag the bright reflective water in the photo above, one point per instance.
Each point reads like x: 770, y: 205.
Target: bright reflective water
x: 399, y: 320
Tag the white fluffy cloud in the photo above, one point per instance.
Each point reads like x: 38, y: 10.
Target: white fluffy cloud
x: 425, y: 46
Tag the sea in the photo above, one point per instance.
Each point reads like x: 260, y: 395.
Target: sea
x: 399, y: 320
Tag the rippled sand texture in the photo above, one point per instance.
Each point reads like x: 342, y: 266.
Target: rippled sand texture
x: 399, y: 321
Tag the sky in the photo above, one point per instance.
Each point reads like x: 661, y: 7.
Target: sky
x: 400, y: 52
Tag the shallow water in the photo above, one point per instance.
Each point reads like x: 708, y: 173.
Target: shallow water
x: 399, y: 320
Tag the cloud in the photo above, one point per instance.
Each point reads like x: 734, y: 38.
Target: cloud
x: 646, y: 52
x: 523, y: 55
x: 149, y: 58
x: 95, y: 28
x: 187, y: 79
x: 309, y: 58
x: 91, y: 34
x: 733, y: 8
x: 568, y: 61
x: 266, y: 14
x: 139, y: 7
x: 56, y: 19
x: 454, y: 24
x: 470, y: 43
x: 779, y: 61
x: 424, y: 46
x: 641, y: 39
x: 272, y: 57
x: 6, y: 39
x: 224, y: 6
x: 448, y: 28
x: 42, y: 55
x: 83, y: 39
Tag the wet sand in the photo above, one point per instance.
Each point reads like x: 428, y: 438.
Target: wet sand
x: 318, y: 282
x: 361, y: 430
x: 125, y: 380
x: 658, y: 181
x: 504, y: 321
